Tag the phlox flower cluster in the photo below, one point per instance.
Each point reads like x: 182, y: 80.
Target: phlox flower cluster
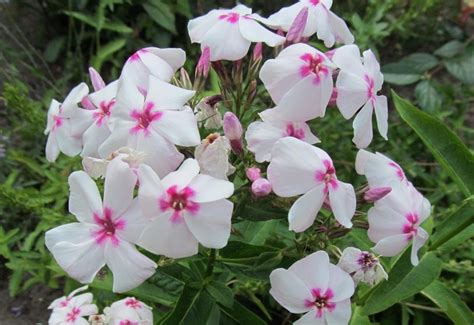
x: 169, y: 156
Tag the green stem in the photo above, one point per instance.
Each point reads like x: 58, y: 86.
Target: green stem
x: 211, y: 262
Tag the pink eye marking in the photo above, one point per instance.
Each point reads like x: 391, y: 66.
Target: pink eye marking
x: 107, y: 227
x: 57, y: 121
x: 179, y: 201
x: 314, y: 2
x: 321, y: 301
x: 328, y: 176
x: 231, y: 17
x: 399, y: 171
x: 104, y: 110
x: 314, y: 65
x: 291, y: 131
x: 128, y: 322
x: 136, y: 56
x: 133, y: 303
x: 370, y: 87
x: 144, y: 118
x: 65, y: 302
x: 410, y: 227
x: 73, y: 314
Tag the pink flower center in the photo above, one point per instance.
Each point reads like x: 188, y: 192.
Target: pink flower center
x: 145, y: 117
x: 370, y: 87
x: 367, y: 260
x: 328, y: 176
x: 107, y: 227
x: 231, y: 17
x: 179, y: 201
x: 410, y: 227
x: 398, y: 170
x: 127, y: 322
x: 104, y: 110
x: 65, y: 302
x: 57, y: 121
x: 292, y: 131
x: 314, y: 64
x: 73, y: 315
x: 133, y: 303
x: 321, y: 301
x: 314, y: 2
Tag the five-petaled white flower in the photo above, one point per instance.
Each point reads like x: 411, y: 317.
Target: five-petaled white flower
x: 228, y: 33
x: 261, y: 136
x: 160, y: 63
x: 300, y: 82
x: 394, y: 222
x: 315, y: 287
x: 129, y: 311
x: 357, y: 85
x: 106, y: 230
x: 153, y: 123
x: 321, y: 20
x: 362, y: 266
x: 184, y: 208
x: 66, y: 124
x: 298, y: 168
x: 71, y: 309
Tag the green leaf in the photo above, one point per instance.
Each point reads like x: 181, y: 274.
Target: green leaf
x: 420, y: 62
x: 445, y: 146
x: 189, y: 297
x: 410, y: 69
x: 54, y: 48
x: 400, y: 79
x: 404, y: 281
x: 117, y: 26
x: 428, y: 96
x: 453, y: 224
x: 201, y: 311
x: 357, y: 318
x: 221, y: 293
x: 450, y: 49
x: 106, y: 51
x: 242, y: 315
x: 183, y: 7
x: 83, y: 18
x: 449, y: 302
x: 462, y: 67
x: 161, y: 14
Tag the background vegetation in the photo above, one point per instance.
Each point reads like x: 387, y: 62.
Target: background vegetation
x: 427, y: 51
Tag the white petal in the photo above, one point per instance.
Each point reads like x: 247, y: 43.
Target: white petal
x: 73, y: 98
x: 225, y: 42
x: 135, y: 222
x: 179, y: 127
x: 348, y: 59
x: 372, y: 66
x: 339, y: 29
x: 362, y: 160
x: 381, y: 113
x: 128, y: 99
x: 289, y: 291
x: 323, y: 27
x: 84, y: 197
x: 341, y: 313
x: 52, y: 148
x: 311, y: 318
x: 106, y: 94
x: 351, y: 93
x: 188, y: 170
x: 313, y: 270
x: 391, y: 246
x: 208, y: 188
x: 261, y: 137
x: 363, y: 126
x: 93, y: 138
x: 119, y: 138
x: 254, y: 32
x: 149, y: 191
x: 279, y: 75
x: 384, y: 222
x: 158, y: 67
x: 75, y: 233
x: 211, y: 224
x: 175, y: 57
x: 418, y: 241
x: 284, y: 17
x: 349, y: 259
x: 292, y: 168
x: 70, y: 145
x: 172, y: 239
x: 120, y: 183
x: 305, y: 209
x: 165, y: 96
x: 129, y: 267
x: 343, y: 203
x: 340, y: 283
x: 198, y: 27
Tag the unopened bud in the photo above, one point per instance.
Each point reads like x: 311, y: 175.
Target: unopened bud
x: 204, y: 64
x: 232, y: 127
x: 333, y: 99
x: 375, y: 194
x: 257, y: 52
x: 253, y: 173
x: 261, y: 187
x: 96, y: 80
x: 295, y: 33
x: 185, y: 80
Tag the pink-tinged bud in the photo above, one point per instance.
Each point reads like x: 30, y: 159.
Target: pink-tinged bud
x: 232, y: 127
x: 295, y: 33
x: 97, y: 81
x: 375, y: 194
x: 257, y: 52
x: 333, y: 99
x: 261, y: 187
x: 87, y: 103
x: 204, y: 63
x: 253, y: 173
x: 185, y: 79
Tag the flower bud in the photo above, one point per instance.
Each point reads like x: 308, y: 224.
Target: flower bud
x: 204, y: 64
x: 253, y: 173
x: 261, y: 187
x: 97, y: 81
x: 376, y: 193
x: 295, y: 33
x: 257, y: 52
x: 333, y: 99
x: 233, y: 131
x: 185, y: 79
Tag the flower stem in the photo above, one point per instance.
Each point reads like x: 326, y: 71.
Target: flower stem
x: 210, y: 263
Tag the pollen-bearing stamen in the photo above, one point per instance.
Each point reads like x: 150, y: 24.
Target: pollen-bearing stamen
x: 321, y: 301
x: 180, y: 201
x: 367, y: 260
x: 107, y: 227
x: 327, y: 176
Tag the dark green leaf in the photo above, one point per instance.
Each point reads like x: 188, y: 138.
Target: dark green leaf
x: 445, y: 146
x: 428, y: 96
x: 201, y: 311
x: 449, y: 302
x: 420, y: 62
x: 401, y: 79
x: 106, y: 51
x: 453, y: 224
x: 463, y: 67
x: 188, y: 298
x: 83, y: 18
x: 404, y: 281
x: 183, y: 8
x: 117, y: 26
x: 357, y: 318
x: 221, y: 293
x: 161, y: 14
x: 54, y: 48
x: 242, y: 315
x: 450, y: 49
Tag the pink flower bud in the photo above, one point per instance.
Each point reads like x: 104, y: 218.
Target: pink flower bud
x: 253, y: 173
x: 257, y: 52
x: 375, y: 194
x: 97, y: 81
x: 261, y: 187
x: 87, y: 103
x: 295, y: 33
x: 204, y: 63
x: 233, y: 131
x: 333, y: 99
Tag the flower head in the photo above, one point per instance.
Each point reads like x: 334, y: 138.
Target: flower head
x: 362, y: 266
x: 228, y: 33
x: 72, y: 309
x: 315, y: 287
x: 129, y: 311
x: 261, y: 187
x: 207, y: 112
